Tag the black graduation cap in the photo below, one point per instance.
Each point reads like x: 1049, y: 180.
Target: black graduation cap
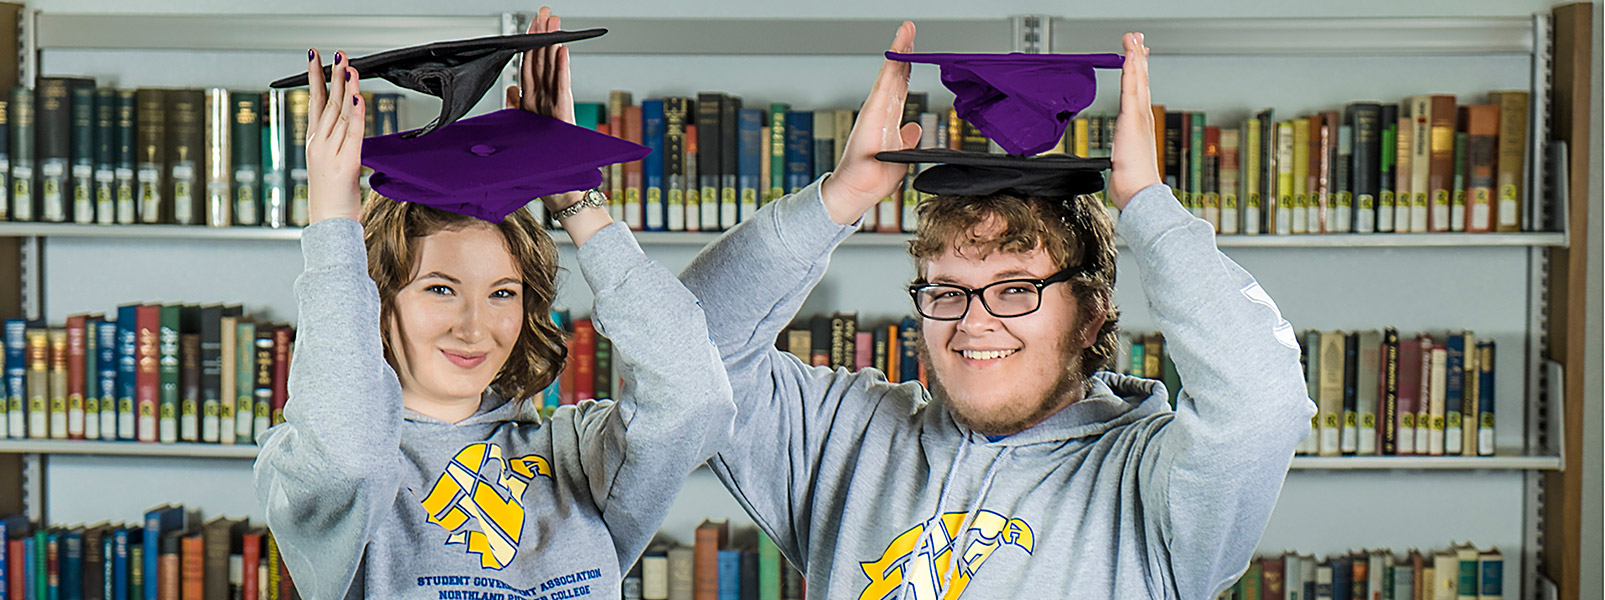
x: 458, y: 72
x: 954, y: 172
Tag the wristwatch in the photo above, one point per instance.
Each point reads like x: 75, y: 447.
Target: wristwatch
x: 593, y: 197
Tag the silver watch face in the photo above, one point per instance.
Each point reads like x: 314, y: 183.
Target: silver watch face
x: 595, y: 195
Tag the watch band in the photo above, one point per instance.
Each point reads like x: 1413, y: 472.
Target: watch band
x: 593, y: 197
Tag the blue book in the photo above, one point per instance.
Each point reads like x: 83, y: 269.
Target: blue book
x: 107, y: 546
x: 30, y: 567
x: 158, y: 521
x: 1485, y: 397
x: 729, y: 575
x: 1454, y: 394
x: 16, y: 377
x: 655, y: 217
x: 1491, y: 565
x: 749, y: 162
x: 127, y: 368
x: 1342, y: 578
x: 908, y: 365
x: 106, y: 378
x: 51, y: 559
x: 799, y: 150
x: 119, y: 564
x: 71, y: 569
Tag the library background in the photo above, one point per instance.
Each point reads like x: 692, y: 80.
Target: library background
x: 1417, y: 184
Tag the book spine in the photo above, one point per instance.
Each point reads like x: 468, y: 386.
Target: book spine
x: 1387, y: 156
x: 618, y: 101
x: 1231, y: 152
x: 1350, y: 441
x: 1457, y: 193
x: 150, y: 155
x: 653, y: 169
x: 1440, y: 160
x: 710, y: 153
x: 1454, y: 393
x: 108, y: 364
x: 262, y: 390
x: 799, y: 150
x: 1209, y: 178
x: 1482, y: 131
x: 58, y: 384
x: 246, y: 155
x: 74, y: 360
x: 295, y: 156
x: 283, y: 344
x: 22, y: 154
x: 211, y: 372
x: 751, y: 142
x: 693, y: 192
x: 83, y: 152
x: 105, y: 192
x: 189, y: 399
x: 674, y: 176
x: 729, y: 163
x: 167, y: 409
x: 1511, y: 158
x: 1404, y: 167
x: 1421, y: 160
x: 777, y: 151
x: 127, y: 370
x: 1342, y: 184
x: 244, y: 380
x: 186, y: 141
x: 148, y: 390
x: 1285, y: 201
x: 5, y: 157
x: 275, y: 194
x: 1485, y: 398
x: 1365, y: 165
x: 126, y: 197
x: 53, y: 102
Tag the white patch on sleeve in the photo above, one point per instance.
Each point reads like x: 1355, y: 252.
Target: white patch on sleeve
x: 1283, y: 330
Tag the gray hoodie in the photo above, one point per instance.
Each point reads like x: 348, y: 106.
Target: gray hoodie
x: 369, y: 499
x: 868, y: 486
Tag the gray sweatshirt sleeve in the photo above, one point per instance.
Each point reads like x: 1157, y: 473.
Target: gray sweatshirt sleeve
x: 675, y: 410
x: 751, y: 282
x: 324, y: 474
x: 1212, y: 475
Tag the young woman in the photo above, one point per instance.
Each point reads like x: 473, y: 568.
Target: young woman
x: 406, y: 467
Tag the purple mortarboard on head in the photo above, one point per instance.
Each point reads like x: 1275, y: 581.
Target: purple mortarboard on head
x: 958, y: 173
x: 491, y: 165
x: 1021, y: 101
x: 459, y: 72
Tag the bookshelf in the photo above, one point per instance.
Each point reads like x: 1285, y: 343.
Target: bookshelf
x: 1494, y: 284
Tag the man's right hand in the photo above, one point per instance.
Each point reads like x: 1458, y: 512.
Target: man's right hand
x: 860, y: 180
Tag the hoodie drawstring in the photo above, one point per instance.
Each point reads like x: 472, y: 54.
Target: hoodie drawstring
x: 969, y: 518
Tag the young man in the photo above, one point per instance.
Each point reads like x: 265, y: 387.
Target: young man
x: 1022, y: 473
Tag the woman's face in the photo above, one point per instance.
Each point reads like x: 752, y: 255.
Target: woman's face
x: 459, y: 318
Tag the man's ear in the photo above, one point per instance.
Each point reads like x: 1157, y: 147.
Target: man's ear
x: 1092, y: 322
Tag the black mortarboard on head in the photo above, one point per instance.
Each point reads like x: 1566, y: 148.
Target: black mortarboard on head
x: 458, y: 72
x: 1023, y: 102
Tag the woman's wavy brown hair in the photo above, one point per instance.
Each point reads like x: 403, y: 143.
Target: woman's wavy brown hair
x: 391, y: 230
x: 1074, y: 231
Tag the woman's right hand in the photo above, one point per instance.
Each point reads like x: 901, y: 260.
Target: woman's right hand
x: 334, y: 140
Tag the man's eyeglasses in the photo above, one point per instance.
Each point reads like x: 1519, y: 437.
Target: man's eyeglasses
x: 1004, y: 299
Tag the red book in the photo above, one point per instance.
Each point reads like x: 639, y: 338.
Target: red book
x: 1409, y: 393
x: 863, y: 350
x: 693, y: 210
x: 1441, y: 169
x: 250, y: 558
x: 148, y: 379
x: 15, y: 575
x: 75, y: 377
x: 1272, y: 587
x: 192, y: 567
x: 712, y: 536
x: 582, y: 355
x: 283, y: 338
x: 1482, y: 134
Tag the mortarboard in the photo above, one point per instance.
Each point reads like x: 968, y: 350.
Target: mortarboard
x: 976, y: 173
x: 491, y: 165
x: 458, y: 72
x: 1021, y: 101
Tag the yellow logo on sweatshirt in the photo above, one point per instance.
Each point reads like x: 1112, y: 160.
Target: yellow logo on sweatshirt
x: 479, y: 485
x: 925, y: 571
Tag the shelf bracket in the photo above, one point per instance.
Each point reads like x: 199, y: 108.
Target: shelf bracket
x: 1033, y: 34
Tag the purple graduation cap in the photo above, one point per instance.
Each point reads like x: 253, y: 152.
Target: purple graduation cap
x: 1021, y: 101
x: 458, y: 72
x: 491, y: 165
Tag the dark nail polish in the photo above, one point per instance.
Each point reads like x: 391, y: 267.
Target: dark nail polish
x: 354, y: 100
x: 310, y: 54
x: 337, y: 57
x: 348, y: 76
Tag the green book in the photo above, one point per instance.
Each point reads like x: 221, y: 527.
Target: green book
x: 105, y: 190
x: 246, y: 152
x: 244, y: 379
x: 83, y: 153
x: 1195, y: 165
x: 21, y: 126
x: 769, y: 563
x: 588, y: 114
x: 777, y: 151
x: 275, y: 194
x: 1138, y: 356
x: 167, y: 398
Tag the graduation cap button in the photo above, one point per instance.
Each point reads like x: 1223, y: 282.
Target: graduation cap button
x: 483, y: 150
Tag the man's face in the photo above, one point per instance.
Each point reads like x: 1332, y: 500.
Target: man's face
x: 1002, y: 375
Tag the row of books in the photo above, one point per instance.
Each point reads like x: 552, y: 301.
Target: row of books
x: 156, y: 373
x: 1381, y: 394
x: 747, y: 566
x: 837, y: 341
x: 1422, y: 164
x: 172, y: 555
x: 1460, y: 572
x: 74, y: 152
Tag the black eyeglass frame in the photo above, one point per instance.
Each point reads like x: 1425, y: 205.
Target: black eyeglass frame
x: 1062, y: 276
